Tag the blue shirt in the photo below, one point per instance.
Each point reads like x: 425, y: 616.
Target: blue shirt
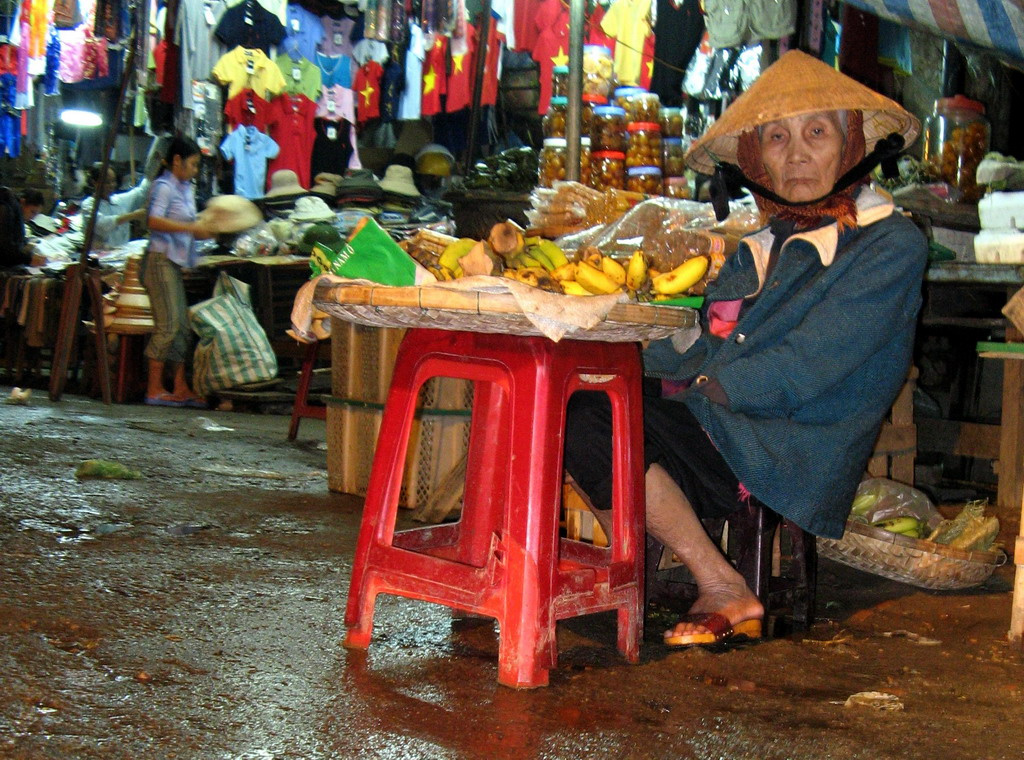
x: 173, y: 199
x: 303, y: 32
x: 249, y: 149
x: 335, y: 70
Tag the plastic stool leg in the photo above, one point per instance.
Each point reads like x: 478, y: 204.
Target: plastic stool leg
x: 302, y: 407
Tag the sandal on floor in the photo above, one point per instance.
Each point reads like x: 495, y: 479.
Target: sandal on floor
x: 194, y: 402
x: 164, y: 399
x: 718, y: 630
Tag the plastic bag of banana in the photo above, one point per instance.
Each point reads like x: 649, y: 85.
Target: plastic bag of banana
x: 539, y: 262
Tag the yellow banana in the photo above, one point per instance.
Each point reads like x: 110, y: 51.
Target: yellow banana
x: 594, y: 280
x: 525, y: 260
x: 565, y: 272
x: 555, y: 254
x: 593, y: 258
x: 613, y: 269
x: 449, y: 258
x: 636, y: 271
x: 572, y: 288
x: 683, y: 277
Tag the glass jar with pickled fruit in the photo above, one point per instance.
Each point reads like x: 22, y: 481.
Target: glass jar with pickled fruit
x: 607, y: 170
x: 560, y: 81
x: 643, y: 144
x: 622, y: 94
x: 644, y: 179
x: 585, y: 160
x: 551, y: 165
x: 587, y: 112
x: 643, y: 106
x: 553, y: 123
x: 597, y: 70
x: 671, y: 120
x: 676, y: 187
x: 673, y: 161
x: 608, y: 129
x: 956, y: 138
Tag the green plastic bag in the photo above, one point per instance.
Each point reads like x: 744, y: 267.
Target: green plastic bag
x: 369, y: 254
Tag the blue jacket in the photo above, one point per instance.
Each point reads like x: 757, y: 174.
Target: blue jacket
x: 815, y: 360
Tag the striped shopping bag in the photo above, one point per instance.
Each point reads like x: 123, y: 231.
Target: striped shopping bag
x: 233, y: 349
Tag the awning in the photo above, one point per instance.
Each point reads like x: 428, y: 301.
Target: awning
x: 995, y: 25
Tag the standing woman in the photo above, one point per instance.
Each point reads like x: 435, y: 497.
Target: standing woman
x: 173, y: 232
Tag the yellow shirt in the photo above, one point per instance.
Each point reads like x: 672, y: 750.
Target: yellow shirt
x: 249, y: 68
x: 628, y: 21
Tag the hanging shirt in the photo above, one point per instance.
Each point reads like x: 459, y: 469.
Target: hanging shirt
x: 409, y: 105
x: 334, y: 70
x: 677, y: 33
x: 291, y: 127
x: 249, y: 149
x: 434, y: 76
x: 367, y: 89
x: 193, y: 33
x: 303, y: 32
x: 247, y: 109
x: 628, y: 21
x: 552, y: 47
x: 492, y: 67
x: 392, y: 84
x: 337, y: 36
x: 301, y: 77
x: 332, y: 149
x: 336, y: 103
x: 463, y: 71
x: 647, y: 62
x: 250, y: 25
x: 595, y: 34
x: 249, y: 68
x: 526, y: 31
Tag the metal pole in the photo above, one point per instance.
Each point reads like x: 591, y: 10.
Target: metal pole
x: 483, y: 33
x: 575, y: 105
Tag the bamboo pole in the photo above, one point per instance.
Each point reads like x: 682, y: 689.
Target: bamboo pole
x: 574, y: 106
x: 483, y: 33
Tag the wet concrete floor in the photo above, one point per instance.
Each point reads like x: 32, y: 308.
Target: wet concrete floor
x: 196, y: 612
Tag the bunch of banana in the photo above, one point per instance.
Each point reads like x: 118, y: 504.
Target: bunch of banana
x: 904, y: 526
x: 537, y: 252
x: 448, y: 260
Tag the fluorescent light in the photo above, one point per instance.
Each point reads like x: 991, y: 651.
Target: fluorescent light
x: 79, y: 118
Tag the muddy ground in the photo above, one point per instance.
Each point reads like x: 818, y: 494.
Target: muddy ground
x: 197, y: 613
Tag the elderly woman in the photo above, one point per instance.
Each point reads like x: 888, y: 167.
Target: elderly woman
x: 807, y: 337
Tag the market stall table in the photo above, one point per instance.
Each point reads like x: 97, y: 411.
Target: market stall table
x: 504, y: 558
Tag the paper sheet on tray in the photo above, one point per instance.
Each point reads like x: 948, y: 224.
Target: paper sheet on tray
x: 554, y: 315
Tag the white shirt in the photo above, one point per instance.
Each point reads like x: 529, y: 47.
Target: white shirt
x: 108, y: 234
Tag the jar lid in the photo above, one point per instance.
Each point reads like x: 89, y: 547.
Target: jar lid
x: 559, y: 100
x: 621, y: 92
x: 666, y: 141
x: 614, y: 155
x: 595, y: 98
x: 554, y: 142
x: 643, y: 126
x: 585, y: 142
x: 676, y: 181
x: 670, y: 111
x: 597, y: 50
x: 560, y: 70
x: 959, y: 102
x: 636, y: 171
x: 609, y: 111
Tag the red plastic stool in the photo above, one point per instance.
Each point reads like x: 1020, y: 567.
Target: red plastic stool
x: 504, y: 557
x: 302, y: 407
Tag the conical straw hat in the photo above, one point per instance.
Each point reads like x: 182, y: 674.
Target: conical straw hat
x: 797, y: 84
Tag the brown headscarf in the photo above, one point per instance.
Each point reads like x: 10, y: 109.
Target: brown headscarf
x: 840, y: 206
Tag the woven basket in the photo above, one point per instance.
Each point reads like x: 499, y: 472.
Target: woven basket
x: 910, y: 560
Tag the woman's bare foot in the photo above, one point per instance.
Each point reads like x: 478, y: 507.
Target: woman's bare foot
x: 734, y: 602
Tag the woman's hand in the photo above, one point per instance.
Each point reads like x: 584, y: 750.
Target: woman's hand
x: 200, y: 231
x: 134, y: 216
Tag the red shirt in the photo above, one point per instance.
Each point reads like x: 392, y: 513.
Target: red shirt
x: 248, y: 109
x: 434, y: 76
x: 595, y: 34
x: 647, y: 62
x: 460, y: 81
x: 526, y: 30
x: 552, y: 48
x: 367, y: 89
x: 290, y: 123
x: 495, y: 42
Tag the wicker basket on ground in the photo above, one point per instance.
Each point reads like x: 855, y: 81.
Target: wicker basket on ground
x: 910, y: 560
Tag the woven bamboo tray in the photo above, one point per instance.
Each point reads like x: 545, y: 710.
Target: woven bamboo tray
x: 925, y: 564
x: 475, y: 311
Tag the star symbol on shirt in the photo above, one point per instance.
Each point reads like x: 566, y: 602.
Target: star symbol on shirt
x: 457, y: 63
x: 429, y: 81
x: 561, y: 59
x: 650, y: 69
x: 367, y: 92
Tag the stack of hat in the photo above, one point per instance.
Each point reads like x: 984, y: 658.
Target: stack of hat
x: 284, y: 190
x: 398, y: 185
x: 127, y: 308
x: 312, y: 208
x: 359, y: 188
x: 325, y: 186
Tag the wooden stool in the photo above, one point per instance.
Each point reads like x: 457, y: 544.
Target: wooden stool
x: 302, y: 407
x: 504, y: 558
